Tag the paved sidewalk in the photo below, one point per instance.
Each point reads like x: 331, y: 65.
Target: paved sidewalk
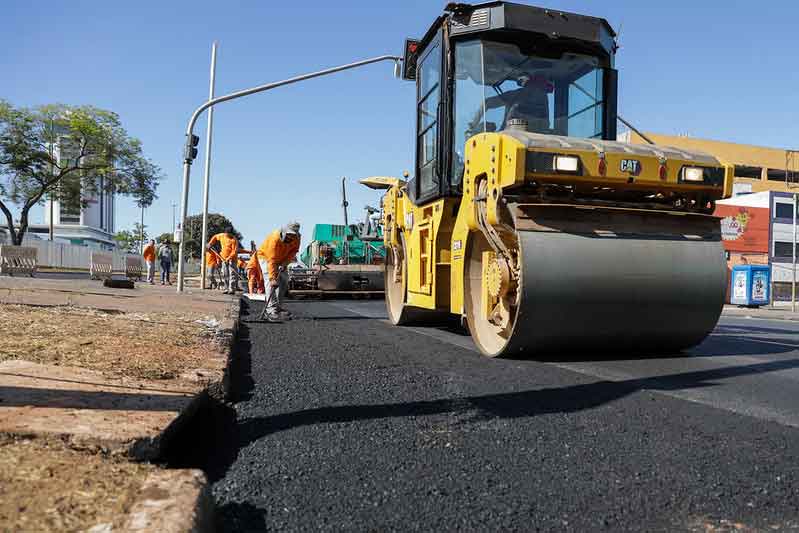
x: 776, y: 312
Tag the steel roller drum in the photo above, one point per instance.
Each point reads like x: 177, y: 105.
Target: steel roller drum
x: 652, y: 291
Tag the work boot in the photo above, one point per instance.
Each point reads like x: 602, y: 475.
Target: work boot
x: 285, y: 315
x: 285, y: 312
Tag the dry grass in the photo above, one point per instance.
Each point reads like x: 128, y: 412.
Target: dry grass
x: 46, y: 486
x: 151, y: 346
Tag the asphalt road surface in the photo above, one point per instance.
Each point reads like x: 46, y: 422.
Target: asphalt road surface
x: 347, y: 423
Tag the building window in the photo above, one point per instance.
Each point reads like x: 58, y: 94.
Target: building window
x: 743, y: 171
x: 783, y: 210
x: 70, y: 215
x: 783, y: 249
x: 775, y: 174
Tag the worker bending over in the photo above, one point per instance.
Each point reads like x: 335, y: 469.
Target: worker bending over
x: 276, y: 252
x: 255, y: 278
x: 229, y: 254
x: 214, y: 263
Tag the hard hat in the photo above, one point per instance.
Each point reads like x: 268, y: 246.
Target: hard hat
x: 292, y: 227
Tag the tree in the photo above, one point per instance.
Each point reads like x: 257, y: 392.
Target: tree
x: 193, y: 232
x: 126, y: 241
x: 130, y: 240
x: 69, y: 153
x: 140, y: 235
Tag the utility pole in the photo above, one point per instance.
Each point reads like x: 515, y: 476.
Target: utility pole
x: 344, y: 204
x: 191, y: 153
x: 207, y: 177
x: 51, y: 148
x: 141, y: 232
x: 793, y: 261
x: 52, y: 211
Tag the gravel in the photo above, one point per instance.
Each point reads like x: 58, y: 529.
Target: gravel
x: 347, y: 423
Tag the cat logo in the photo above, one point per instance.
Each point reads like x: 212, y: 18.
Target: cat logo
x: 631, y: 166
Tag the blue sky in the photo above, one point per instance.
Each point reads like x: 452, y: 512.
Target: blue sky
x: 723, y: 69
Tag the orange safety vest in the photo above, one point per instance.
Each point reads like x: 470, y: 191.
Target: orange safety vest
x: 229, y: 244
x: 276, y: 252
x: 149, y: 252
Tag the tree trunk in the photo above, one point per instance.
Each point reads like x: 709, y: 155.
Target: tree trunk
x: 23, y: 226
x: 12, y: 233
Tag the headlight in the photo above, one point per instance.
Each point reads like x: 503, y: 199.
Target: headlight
x: 567, y: 163
x: 694, y: 174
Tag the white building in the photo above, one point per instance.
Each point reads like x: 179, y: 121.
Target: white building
x: 92, y: 226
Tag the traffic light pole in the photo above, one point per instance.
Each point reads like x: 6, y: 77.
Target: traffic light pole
x: 190, y: 153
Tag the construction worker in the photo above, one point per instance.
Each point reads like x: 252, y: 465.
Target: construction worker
x: 213, y: 263
x: 229, y: 250
x: 255, y: 278
x: 149, y: 258
x: 276, y: 252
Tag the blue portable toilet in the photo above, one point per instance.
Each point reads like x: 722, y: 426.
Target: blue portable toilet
x: 749, y: 285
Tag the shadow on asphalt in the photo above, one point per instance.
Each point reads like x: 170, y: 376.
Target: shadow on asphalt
x: 240, y: 516
x: 507, y: 405
x: 729, y: 345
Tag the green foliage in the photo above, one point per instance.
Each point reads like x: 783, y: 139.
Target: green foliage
x: 130, y: 240
x: 126, y: 241
x: 70, y: 153
x: 194, y: 232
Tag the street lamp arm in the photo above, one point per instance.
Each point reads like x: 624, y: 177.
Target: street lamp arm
x: 273, y: 85
x: 238, y: 94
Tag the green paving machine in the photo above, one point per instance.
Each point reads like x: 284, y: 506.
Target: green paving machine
x: 343, y: 259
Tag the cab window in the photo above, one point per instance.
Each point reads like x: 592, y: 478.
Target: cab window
x: 428, y: 75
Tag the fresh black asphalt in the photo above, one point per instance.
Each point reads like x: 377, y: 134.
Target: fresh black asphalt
x: 346, y: 423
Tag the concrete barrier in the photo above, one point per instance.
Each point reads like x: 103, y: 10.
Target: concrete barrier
x: 101, y: 265
x: 18, y: 260
x: 133, y: 267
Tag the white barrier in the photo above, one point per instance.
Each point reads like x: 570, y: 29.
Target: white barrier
x: 18, y: 260
x: 101, y: 265
x: 133, y: 267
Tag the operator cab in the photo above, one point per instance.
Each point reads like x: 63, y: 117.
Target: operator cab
x: 493, y: 66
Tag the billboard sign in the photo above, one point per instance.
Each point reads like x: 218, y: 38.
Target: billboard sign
x: 744, y: 229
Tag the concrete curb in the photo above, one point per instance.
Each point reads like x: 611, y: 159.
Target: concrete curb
x: 228, y: 333
x: 173, y: 501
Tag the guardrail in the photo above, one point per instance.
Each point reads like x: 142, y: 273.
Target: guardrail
x: 18, y: 260
x: 101, y: 265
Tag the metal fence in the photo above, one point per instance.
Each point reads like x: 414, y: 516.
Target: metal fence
x: 69, y: 256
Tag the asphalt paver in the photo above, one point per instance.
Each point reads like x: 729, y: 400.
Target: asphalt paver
x: 347, y: 423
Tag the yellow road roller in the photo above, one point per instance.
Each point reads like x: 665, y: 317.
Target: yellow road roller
x: 525, y: 217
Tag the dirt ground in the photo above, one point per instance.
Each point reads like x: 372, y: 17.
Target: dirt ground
x: 148, y: 346
x: 46, y: 486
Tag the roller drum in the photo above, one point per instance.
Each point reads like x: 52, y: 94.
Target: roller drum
x: 580, y: 290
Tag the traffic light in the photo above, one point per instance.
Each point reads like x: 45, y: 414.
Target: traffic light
x: 191, y: 148
x: 410, y: 55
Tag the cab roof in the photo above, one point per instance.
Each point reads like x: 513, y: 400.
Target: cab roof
x: 509, y: 16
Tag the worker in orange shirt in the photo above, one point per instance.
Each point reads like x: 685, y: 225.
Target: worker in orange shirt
x: 213, y: 263
x: 149, y: 258
x: 229, y: 250
x: 276, y: 252
x: 255, y: 278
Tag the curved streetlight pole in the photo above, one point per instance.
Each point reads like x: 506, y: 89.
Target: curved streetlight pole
x: 187, y: 160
